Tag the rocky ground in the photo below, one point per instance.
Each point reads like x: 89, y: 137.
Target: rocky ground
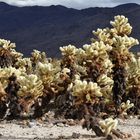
x: 18, y: 130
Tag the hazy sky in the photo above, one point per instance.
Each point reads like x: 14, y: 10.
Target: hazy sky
x: 71, y: 3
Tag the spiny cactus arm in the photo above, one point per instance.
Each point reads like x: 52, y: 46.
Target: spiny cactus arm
x: 121, y: 25
x: 108, y: 125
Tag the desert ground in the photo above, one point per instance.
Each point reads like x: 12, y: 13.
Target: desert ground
x: 18, y: 130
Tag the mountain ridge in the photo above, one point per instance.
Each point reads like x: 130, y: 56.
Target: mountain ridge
x: 48, y: 28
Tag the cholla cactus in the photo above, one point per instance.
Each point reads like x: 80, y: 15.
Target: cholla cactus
x: 124, y: 42
x: 7, y: 44
x: 117, y: 37
x: 86, y: 92
x: 96, y: 49
x: 125, y: 106
x: 108, y: 125
x: 25, y: 64
x: 30, y: 86
x: 80, y: 69
x: 97, y: 60
x: 37, y: 56
x: 121, y: 49
x: 121, y: 25
x: 133, y: 83
x: 5, y: 58
x: 69, y: 56
x: 134, y: 71
x: 5, y: 53
x: 68, y: 50
x: 8, y: 54
x: 65, y: 70
x: 80, y: 55
x: 5, y: 73
x: 73, y: 58
x: 106, y: 84
x: 103, y: 35
x: 46, y: 72
x: 2, y: 93
x: 91, y: 57
x: 121, y: 56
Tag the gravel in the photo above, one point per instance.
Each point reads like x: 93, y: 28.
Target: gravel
x: 16, y: 130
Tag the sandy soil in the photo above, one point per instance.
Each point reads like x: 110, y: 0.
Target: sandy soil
x: 16, y: 130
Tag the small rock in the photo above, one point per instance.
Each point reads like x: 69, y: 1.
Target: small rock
x: 131, y: 117
x: 61, y: 137
x: 51, y: 134
x: 66, y: 125
x: 36, y: 138
x: 71, y: 122
x: 60, y: 124
x: 32, y: 124
x: 75, y: 135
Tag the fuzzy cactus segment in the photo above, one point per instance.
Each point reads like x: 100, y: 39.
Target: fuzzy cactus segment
x: 86, y: 92
x: 30, y: 86
x: 108, y: 125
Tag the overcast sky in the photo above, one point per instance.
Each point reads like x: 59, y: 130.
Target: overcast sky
x: 79, y: 4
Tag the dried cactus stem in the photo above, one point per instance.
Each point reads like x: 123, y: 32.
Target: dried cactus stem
x: 93, y: 72
x: 134, y: 97
x: 12, y: 90
x: 92, y: 123
x: 119, y: 87
x: 5, y: 58
x: 120, y: 134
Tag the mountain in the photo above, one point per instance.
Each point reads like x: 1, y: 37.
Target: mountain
x: 48, y: 28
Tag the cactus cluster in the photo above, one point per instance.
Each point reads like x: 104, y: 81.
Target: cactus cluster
x: 100, y: 79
